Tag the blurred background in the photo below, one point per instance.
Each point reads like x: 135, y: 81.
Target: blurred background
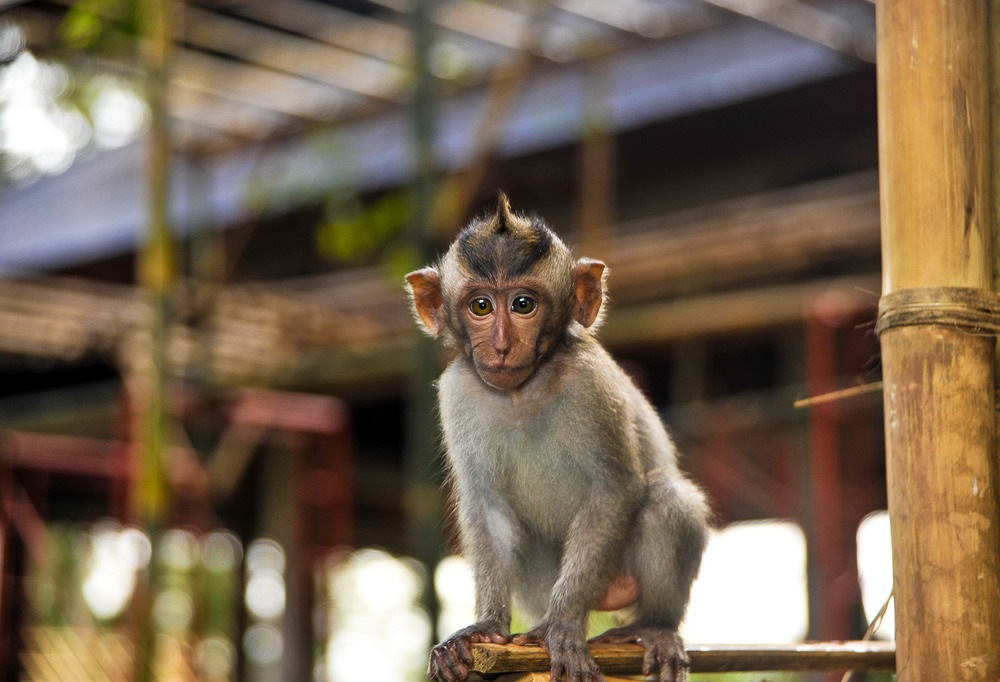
x: 218, y: 449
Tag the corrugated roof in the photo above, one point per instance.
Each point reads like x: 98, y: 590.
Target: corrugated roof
x: 298, y: 96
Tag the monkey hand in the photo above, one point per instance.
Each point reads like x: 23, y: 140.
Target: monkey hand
x: 567, y: 651
x: 450, y: 660
x: 664, y: 658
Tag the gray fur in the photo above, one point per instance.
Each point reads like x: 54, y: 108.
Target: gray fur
x: 577, y: 465
x: 563, y: 479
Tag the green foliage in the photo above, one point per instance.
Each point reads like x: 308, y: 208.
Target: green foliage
x: 748, y: 677
x: 106, y: 26
x: 352, y: 232
x: 53, y: 587
x: 782, y: 677
x: 602, y: 621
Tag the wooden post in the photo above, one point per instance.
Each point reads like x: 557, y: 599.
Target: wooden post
x: 934, y: 151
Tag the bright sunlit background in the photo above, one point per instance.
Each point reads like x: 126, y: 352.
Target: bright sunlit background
x: 752, y: 587
x: 875, y: 571
x: 375, y: 615
x: 44, y: 126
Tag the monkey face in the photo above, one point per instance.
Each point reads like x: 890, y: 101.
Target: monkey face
x: 505, y: 331
x: 505, y: 294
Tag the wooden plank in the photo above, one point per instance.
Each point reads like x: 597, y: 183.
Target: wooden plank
x: 490, y: 659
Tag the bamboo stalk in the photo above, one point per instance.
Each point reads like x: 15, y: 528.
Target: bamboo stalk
x: 933, y: 66
x: 626, y: 659
x: 157, y: 275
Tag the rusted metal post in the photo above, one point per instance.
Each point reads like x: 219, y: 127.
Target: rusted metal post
x: 935, y: 158
x: 829, y: 615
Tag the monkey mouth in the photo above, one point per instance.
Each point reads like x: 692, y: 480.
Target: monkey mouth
x: 504, y: 377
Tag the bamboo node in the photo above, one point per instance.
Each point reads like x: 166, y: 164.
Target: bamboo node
x: 976, y: 311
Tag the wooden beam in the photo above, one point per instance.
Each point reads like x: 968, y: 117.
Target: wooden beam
x: 736, y: 312
x: 257, y: 86
x: 651, y: 20
x: 812, y: 23
x: 323, y: 22
x: 663, y: 271
x: 940, y: 421
x: 294, y: 55
x: 495, y: 24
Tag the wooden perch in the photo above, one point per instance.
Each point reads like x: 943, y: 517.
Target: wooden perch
x: 626, y: 659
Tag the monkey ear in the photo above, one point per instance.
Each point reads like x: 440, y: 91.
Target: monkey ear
x: 588, y: 290
x: 425, y: 291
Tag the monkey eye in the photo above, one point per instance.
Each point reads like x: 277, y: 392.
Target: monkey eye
x: 522, y: 305
x: 481, y: 306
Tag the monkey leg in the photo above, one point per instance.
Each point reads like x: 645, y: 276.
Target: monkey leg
x: 623, y: 590
x: 536, y: 568
x: 450, y: 660
x: 664, y: 555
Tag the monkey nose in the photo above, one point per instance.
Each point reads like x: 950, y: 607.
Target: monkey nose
x: 501, y: 339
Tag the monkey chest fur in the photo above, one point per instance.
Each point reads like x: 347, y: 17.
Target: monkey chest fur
x: 524, y: 455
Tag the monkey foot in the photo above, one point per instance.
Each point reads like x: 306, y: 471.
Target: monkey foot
x: 567, y: 652
x: 450, y: 660
x: 665, y: 657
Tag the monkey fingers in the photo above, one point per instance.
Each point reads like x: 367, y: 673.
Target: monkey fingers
x: 664, y: 655
x: 446, y: 664
x: 450, y: 660
x: 567, y: 651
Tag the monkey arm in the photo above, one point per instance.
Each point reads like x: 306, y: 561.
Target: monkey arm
x: 490, y: 544
x: 488, y: 537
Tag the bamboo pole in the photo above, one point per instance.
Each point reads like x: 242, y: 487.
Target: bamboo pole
x: 933, y: 65
x: 424, y: 499
x: 156, y: 269
x: 157, y: 275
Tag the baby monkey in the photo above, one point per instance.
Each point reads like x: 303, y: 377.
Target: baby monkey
x: 568, y: 492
